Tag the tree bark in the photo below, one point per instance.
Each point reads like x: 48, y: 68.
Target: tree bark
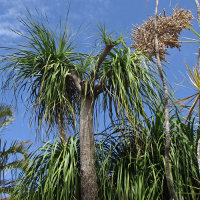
x: 89, y: 187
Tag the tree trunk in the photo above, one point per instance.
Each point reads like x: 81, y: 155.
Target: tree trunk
x: 89, y: 188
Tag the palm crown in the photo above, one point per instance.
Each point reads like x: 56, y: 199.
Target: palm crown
x: 56, y: 76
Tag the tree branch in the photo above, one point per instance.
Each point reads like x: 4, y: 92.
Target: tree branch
x: 76, y: 80
x: 104, y: 53
x: 100, y: 87
x: 166, y: 108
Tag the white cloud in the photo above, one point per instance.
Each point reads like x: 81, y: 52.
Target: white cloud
x: 89, y: 11
x: 7, y: 33
x: 5, y: 30
x: 11, y: 10
x: 81, y: 12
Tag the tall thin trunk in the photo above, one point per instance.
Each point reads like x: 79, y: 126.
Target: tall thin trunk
x: 89, y: 188
x: 198, y: 154
x: 198, y: 145
x: 166, y: 108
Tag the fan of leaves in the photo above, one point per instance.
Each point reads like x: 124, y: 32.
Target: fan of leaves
x: 169, y: 29
x: 194, y: 79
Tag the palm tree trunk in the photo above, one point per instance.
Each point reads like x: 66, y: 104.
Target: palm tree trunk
x: 89, y: 188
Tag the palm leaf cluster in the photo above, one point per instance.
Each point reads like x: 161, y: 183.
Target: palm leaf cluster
x: 52, y: 173
x: 45, y: 66
x: 194, y: 79
x: 132, y: 81
x: 130, y: 164
x: 40, y: 65
x: 136, y: 169
x: 11, y: 161
x: 12, y: 157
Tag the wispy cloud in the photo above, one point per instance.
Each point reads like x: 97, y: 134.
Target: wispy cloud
x: 10, y: 11
x: 81, y: 11
x: 5, y: 30
x: 90, y: 9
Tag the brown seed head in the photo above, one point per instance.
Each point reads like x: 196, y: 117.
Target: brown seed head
x: 169, y: 29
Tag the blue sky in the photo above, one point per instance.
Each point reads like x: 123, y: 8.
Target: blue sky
x: 117, y: 15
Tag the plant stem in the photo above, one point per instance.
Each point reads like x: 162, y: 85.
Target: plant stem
x: 166, y: 108
x: 198, y: 145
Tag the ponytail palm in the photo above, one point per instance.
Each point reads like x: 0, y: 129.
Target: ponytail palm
x: 42, y: 66
x: 63, y: 86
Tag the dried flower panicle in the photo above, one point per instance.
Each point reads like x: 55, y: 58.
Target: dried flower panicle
x: 169, y: 29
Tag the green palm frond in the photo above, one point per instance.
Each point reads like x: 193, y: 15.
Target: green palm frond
x: 129, y: 165
x: 131, y: 82
x: 194, y: 80
x: 41, y: 66
x: 52, y: 173
x: 44, y: 64
x: 12, y: 159
x: 133, y: 157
